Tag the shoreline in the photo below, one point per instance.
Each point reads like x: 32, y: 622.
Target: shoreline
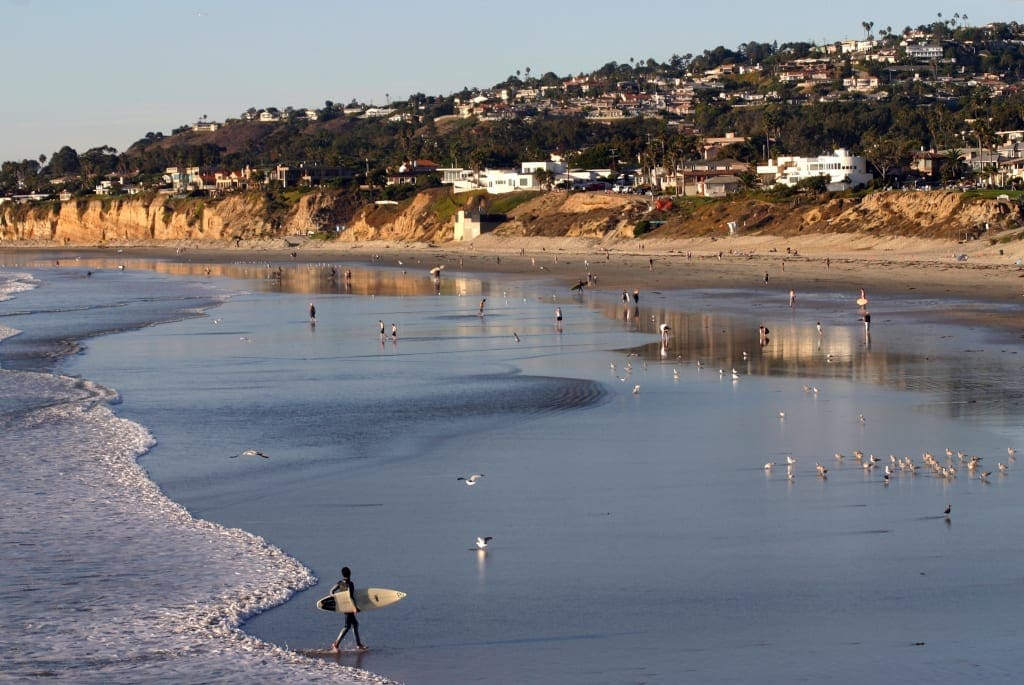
x: 819, y: 263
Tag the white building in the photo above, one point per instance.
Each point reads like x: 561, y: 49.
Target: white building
x: 496, y: 181
x: 841, y: 170
x: 924, y: 52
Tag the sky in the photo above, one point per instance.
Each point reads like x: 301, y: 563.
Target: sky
x: 106, y: 72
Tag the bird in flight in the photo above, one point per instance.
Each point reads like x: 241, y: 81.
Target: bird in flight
x: 251, y: 453
x: 471, y: 480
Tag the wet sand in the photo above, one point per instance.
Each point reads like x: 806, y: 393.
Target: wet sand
x: 819, y: 263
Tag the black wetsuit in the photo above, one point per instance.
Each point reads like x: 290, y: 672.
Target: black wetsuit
x: 343, y: 585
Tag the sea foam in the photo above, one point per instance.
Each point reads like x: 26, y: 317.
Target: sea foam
x: 104, y: 578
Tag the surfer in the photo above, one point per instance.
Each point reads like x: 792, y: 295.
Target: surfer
x: 346, y: 585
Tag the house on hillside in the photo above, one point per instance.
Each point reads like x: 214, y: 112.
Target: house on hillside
x: 842, y: 170
x: 412, y: 173
x: 696, y: 177
x: 290, y: 176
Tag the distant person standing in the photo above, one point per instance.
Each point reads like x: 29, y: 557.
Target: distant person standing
x: 766, y: 278
x: 482, y: 303
x: 558, y: 318
x: 792, y: 297
x: 312, y: 313
x: 867, y: 322
x: 394, y: 332
x: 381, y: 324
x: 345, y: 585
x: 636, y: 296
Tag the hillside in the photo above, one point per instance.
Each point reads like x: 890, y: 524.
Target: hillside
x: 428, y: 217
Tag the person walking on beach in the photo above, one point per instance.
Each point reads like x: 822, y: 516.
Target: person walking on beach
x: 394, y: 332
x: 792, y: 297
x: 380, y: 322
x: 766, y: 278
x: 312, y: 313
x: 558, y: 318
x: 346, y: 585
x: 482, y: 303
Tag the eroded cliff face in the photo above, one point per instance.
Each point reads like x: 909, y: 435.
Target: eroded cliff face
x: 99, y: 221
x: 944, y: 215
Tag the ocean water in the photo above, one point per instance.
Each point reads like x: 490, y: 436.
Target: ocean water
x: 637, y: 537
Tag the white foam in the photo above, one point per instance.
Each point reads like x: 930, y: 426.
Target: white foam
x: 104, y: 578
x: 13, y: 283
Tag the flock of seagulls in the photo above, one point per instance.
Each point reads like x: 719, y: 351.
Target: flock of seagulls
x: 955, y: 462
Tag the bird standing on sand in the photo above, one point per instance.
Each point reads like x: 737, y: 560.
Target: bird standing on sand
x: 471, y: 480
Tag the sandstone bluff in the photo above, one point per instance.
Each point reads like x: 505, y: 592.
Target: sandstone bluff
x: 596, y: 216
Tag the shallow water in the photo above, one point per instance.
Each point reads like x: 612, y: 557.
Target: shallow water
x: 103, y: 578
x: 637, y: 537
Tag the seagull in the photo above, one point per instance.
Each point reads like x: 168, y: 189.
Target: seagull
x: 861, y: 418
x: 471, y: 480
x: 790, y: 460
x: 515, y: 335
x: 251, y: 453
x: 436, y: 271
x: 949, y: 508
x: 769, y: 465
x: 636, y: 389
x: 735, y: 375
x: 664, y: 328
x: 782, y: 414
x: 481, y: 543
x: 675, y: 374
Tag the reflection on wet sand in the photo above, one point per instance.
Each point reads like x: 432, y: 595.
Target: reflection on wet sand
x: 970, y: 385
x: 287, y: 277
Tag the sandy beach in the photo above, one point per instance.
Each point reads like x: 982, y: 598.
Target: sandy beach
x: 835, y: 262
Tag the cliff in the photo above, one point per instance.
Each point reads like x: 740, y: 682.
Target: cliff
x: 428, y: 217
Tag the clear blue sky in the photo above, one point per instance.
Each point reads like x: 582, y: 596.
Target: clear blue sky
x: 87, y: 73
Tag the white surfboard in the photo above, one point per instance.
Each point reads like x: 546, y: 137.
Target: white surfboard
x: 368, y: 599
